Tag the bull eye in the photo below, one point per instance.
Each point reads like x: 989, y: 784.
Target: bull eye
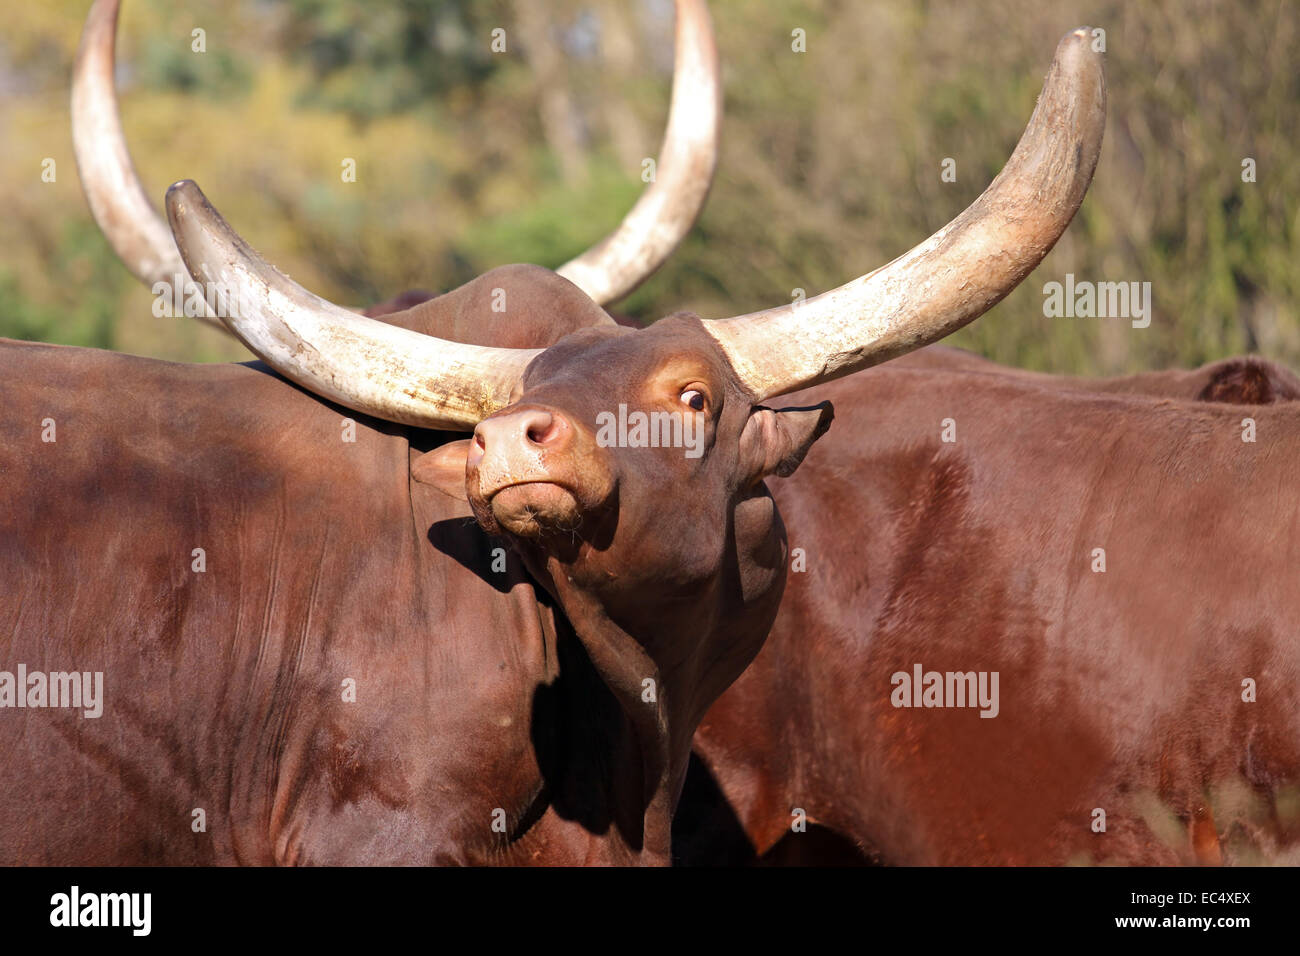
x: 694, y: 399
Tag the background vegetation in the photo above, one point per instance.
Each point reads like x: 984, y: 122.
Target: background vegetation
x: 468, y: 159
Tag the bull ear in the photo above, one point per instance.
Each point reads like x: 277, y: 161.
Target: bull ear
x: 444, y: 468
x: 774, y: 442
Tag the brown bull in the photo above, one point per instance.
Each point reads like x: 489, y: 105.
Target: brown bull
x: 349, y: 679
x: 1161, y: 691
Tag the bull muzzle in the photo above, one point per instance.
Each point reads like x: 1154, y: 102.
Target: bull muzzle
x: 532, y: 471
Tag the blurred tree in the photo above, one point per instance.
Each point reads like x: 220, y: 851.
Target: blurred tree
x: 540, y: 31
x: 372, y: 59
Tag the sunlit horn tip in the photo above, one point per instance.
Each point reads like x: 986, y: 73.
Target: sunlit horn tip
x: 1080, y: 66
x: 1078, y: 47
x: 181, y: 193
x: 184, y: 188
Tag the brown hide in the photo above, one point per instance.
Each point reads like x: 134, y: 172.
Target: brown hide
x: 516, y: 306
x: 1119, y: 690
x: 224, y: 688
x: 350, y: 677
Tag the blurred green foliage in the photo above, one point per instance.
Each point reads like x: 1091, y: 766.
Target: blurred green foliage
x: 371, y: 59
x: 831, y: 162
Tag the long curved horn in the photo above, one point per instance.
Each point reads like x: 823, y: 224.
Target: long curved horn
x: 665, y: 212
x: 367, y: 365
x: 957, y: 274
x: 619, y: 263
x: 113, y: 190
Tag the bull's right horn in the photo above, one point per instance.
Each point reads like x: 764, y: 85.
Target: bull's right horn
x: 957, y: 274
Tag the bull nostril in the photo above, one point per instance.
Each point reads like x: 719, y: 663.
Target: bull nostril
x: 542, y: 428
x: 527, y: 428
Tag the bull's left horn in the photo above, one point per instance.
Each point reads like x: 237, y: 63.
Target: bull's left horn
x: 609, y: 270
x: 669, y: 206
x: 957, y: 274
x: 379, y: 369
x: 117, y: 201
x: 113, y: 191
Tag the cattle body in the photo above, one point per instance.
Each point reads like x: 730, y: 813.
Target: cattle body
x: 1121, y: 690
x: 225, y: 688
